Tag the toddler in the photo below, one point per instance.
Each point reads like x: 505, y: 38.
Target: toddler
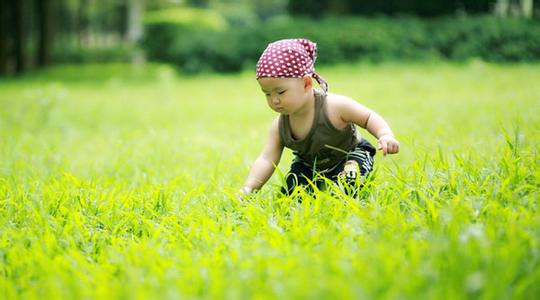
x: 320, y: 127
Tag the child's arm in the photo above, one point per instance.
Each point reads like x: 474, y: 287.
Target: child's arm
x: 263, y: 167
x: 352, y: 111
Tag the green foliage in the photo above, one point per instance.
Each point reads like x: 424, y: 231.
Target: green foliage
x: 187, y: 16
x: 176, y: 34
x: 120, y: 184
x: 352, y: 39
x: 492, y: 39
x: 117, y: 54
x: 348, y: 39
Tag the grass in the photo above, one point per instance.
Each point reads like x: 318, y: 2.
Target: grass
x: 119, y: 183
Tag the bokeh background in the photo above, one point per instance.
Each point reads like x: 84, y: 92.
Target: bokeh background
x: 228, y: 35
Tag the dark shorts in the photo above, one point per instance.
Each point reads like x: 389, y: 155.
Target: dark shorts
x: 302, y: 173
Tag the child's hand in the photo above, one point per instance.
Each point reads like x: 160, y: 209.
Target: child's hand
x: 388, y: 144
x: 243, y: 193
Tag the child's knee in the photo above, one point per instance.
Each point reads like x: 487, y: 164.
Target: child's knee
x: 351, y: 170
x: 292, y: 181
x: 351, y: 178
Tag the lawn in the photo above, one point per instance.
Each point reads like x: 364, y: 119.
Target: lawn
x: 119, y: 181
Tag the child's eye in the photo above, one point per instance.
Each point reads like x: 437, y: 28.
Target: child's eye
x: 282, y: 92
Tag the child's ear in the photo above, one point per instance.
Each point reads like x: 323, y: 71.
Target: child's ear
x: 308, y: 82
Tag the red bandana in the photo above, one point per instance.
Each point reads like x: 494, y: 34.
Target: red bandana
x: 290, y: 58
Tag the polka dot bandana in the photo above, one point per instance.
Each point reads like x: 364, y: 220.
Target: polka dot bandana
x: 290, y: 58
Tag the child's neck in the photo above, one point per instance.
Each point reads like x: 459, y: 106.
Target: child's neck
x: 307, y: 109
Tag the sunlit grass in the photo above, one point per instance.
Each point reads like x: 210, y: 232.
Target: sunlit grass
x: 119, y: 183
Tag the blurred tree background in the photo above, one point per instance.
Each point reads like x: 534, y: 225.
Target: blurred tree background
x: 228, y: 35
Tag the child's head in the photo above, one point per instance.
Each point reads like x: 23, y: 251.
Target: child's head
x: 290, y: 58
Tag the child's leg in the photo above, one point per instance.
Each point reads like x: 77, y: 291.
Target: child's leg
x: 358, y: 165
x: 363, y: 155
x: 299, y: 174
x: 361, y: 163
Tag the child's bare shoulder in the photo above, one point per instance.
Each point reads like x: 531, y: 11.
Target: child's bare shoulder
x: 343, y: 109
x: 336, y: 105
x: 337, y: 99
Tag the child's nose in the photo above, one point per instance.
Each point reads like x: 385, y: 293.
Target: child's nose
x: 275, y: 100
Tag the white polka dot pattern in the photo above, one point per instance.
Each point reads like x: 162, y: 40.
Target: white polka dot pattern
x: 289, y: 58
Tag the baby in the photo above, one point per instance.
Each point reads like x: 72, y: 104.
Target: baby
x: 320, y: 127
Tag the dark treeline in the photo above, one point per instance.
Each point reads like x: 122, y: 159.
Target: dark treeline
x: 37, y: 33
x: 422, y: 8
x: 390, y: 7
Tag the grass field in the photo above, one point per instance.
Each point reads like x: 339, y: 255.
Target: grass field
x: 118, y: 182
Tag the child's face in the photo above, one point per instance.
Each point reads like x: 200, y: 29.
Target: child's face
x: 285, y: 95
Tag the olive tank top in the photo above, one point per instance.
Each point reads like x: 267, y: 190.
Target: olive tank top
x: 325, y: 145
